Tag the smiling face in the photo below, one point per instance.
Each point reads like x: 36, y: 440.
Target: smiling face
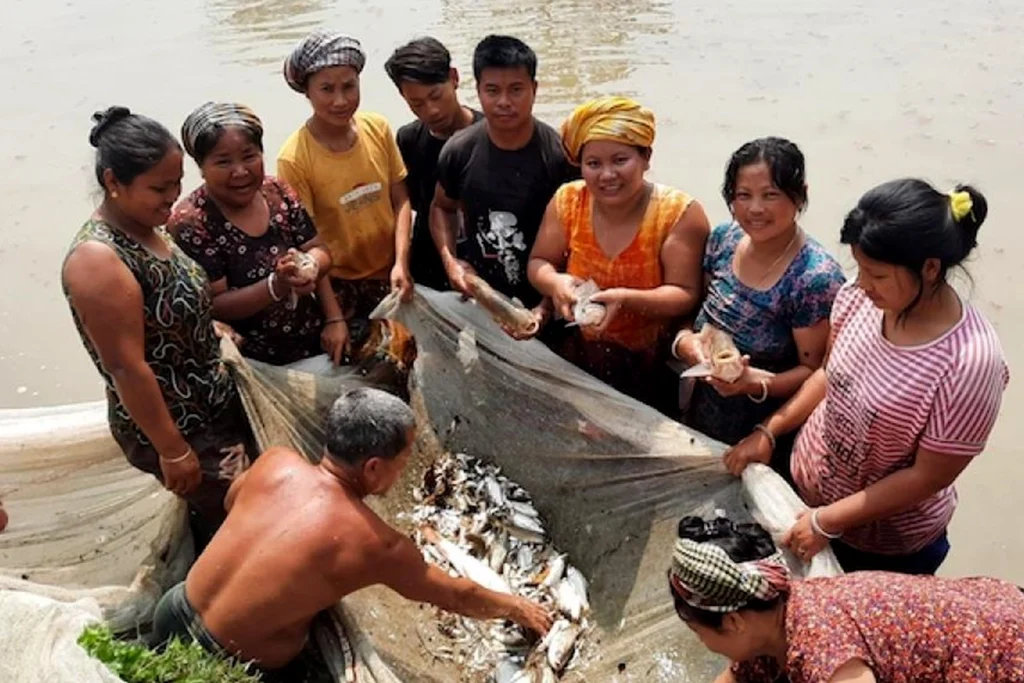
x: 148, y: 198
x: 435, y: 104
x: 334, y: 94
x: 762, y: 209
x: 613, y: 171
x: 506, y: 97
x: 233, y: 170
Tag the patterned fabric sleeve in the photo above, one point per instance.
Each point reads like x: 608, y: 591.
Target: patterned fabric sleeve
x: 822, y: 636
x: 191, y: 232
x: 760, y: 670
x: 300, y: 225
x: 713, y: 250
x: 814, y: 289
x: 967, y: 401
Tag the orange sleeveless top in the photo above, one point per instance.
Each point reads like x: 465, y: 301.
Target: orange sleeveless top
x: 637, y: 267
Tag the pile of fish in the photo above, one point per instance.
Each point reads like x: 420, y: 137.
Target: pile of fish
x: 474, y: 522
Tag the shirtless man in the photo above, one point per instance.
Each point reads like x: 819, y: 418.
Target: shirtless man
x: 298, y: 538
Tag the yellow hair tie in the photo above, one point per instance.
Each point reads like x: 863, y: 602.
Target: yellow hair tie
x: 960, y: 204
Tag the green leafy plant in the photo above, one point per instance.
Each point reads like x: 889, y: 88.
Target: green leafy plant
x: 180, y: 662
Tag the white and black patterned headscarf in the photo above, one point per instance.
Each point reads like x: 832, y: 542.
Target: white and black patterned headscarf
x: 214, y: 117
x: 321, y: 50
x: 705, y: 577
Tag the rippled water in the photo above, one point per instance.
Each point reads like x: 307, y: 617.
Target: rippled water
x: 870, y: 92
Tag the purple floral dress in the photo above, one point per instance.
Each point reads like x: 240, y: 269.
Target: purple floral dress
x: 276, y: 334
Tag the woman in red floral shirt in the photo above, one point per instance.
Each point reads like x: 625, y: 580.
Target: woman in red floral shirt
x: 732, y: 588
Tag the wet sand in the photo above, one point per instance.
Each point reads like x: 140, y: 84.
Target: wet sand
x: 870, y: 92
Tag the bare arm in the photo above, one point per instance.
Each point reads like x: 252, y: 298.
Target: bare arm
x: 403, y: 222
x: 854, y: 671
x: 810, y: 346
x: 403, y: 569
x: 901, y: 490
x: 443, y: 224
x: 244, y: 302
x: 726, y: 676
x: 549, y: 253
x: 108, y: 301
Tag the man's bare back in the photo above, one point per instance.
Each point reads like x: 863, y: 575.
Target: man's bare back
x: 298, y: 538
x: 295, y: 542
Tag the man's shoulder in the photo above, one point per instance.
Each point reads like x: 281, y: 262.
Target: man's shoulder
x: 469, y: 137
x: 409, y: 133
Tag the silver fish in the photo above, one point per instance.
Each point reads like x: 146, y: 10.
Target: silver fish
x: 555, y: 570
x: 498, y: 552
x: 561, y: 642
x: 465, y: 564
x: 580, y: 585
x: 570, y: 603
x: 494, y: 491
x: 525, y: 509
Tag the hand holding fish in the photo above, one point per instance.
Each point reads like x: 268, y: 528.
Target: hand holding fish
x: 457, y: 270
x: 541, y: 314
x: 754, y: 448
x: 614, y: 300
x: 802, y: 539
x: 531, y: 615
x: 689, y: 348
x: 221, y: 330
x: 401, y: 281
x: 748, y: 384
x: 563, y: 295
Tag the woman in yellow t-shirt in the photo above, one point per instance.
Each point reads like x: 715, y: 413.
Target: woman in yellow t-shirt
x: 347, y: 170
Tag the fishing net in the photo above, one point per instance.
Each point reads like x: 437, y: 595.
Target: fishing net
x: 610, y: 476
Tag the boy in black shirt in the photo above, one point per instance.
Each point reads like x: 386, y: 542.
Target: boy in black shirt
x: 423, y: 73
x: 501, y: 173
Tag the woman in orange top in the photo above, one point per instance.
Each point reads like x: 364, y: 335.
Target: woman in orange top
x: 642, y: 244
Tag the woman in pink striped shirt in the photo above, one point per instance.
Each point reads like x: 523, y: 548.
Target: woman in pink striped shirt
x: 909, y: 393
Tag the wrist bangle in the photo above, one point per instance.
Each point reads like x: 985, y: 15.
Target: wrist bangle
x: 764, y: 393
x: 271, y: 279
x: 675, y: 343
x: 767, y: 434
x: 816, y: 526
x: 335, y: 319
x: 183, y: 456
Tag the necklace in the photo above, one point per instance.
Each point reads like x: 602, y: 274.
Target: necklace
x: 770, y: 269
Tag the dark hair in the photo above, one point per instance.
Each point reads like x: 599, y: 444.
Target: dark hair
x: 741, y: 542
x: 906, y: 222
x: 207, y: 140
x: 503, y: 52
x: 368, y: 423
x: 423, y: 60
x: 785, y: 162
x: 128, y: 144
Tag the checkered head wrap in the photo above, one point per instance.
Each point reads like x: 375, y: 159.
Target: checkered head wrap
x: 705, y: 577
x: 218, y: 115
x: 318, y: 51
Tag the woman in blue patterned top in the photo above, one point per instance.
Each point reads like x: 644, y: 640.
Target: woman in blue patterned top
x: 768, y: 285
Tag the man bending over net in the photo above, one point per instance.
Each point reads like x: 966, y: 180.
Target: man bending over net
x: 299, y: 537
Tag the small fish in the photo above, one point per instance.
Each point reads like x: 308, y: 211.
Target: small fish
x: 508, y: 314
x: 580, y: 585
x: 561, y: 642
x: 722, y: 354
x: 523, y: 509
x: 507, y: 671
x: 586, y: 312
x: 570, y: 603
x: 465, y: 564
x: 553, y: 572
x: 498, y: 552
x: 494, y: 491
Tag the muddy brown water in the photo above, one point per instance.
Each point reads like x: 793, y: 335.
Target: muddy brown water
x: 870, y: 90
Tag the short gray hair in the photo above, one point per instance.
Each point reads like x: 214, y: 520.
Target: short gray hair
x: 368, y: 423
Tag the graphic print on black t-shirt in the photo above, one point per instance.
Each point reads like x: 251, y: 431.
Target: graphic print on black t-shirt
x: 420, y: 150
x: 503, y: 194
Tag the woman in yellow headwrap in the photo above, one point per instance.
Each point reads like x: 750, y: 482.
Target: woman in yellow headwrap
x: 640, y: 242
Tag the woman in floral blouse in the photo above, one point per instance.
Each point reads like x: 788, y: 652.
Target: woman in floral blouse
x: 251, y: 234
x: 732, y: 588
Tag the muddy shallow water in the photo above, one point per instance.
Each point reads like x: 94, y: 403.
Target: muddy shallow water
x: 869, y: 91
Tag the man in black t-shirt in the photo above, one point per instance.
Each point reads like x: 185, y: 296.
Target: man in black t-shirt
x: 423, y: 73
x: 501, y: 172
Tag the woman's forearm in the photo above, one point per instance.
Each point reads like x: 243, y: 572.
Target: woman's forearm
x: 542, y: 275
x: 666, y: 301
x: 795, y: 412
x: 140, y: 394
x: 785, y: 384
x: 328, y: 299
x: 244, y: 302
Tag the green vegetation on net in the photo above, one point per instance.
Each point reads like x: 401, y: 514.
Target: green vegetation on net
x: 133, y: 662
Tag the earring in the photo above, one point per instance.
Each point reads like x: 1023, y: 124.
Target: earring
x: 114, y: 194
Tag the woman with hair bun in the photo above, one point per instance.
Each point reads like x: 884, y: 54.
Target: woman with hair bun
x: 732, y: 588
x: 143, y: 310
x: 909, y: 394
